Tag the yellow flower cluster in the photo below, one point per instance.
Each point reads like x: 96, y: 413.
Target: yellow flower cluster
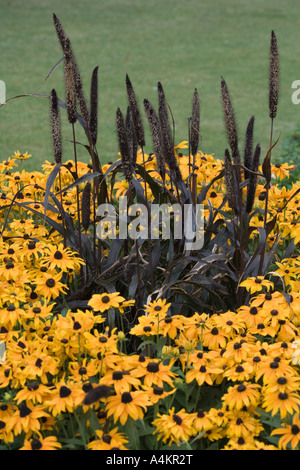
x: 196, y: 381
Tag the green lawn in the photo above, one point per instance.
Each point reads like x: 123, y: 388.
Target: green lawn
x: 182, y: 44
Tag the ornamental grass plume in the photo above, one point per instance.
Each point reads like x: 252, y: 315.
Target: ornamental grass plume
x: 131, y: 136
x: 86, y: 206
x: 248, y: 152
x: 93, y: 119
x: 195, y: 123
x: 156, y: 137
x: 168, y: 144
x: 230, y: 181
x: 253, y: 179
x: 123, y: 146
x: 55, y: 127
x: 230, y: 121
x: 273, y: 77
x: 135, y: 113
x: 69, y: 82
x: 62, y: 37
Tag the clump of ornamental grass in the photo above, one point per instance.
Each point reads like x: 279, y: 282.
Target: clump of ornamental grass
x: 142, y: 344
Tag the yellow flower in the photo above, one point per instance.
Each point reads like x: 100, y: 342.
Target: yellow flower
x: 103, y: 302
x: 109, y: 440
x: 128, y: 404
x: 21, y: 156
x: 41, y: 443
x: 242, y: 395
x: 290, y: 433
x: 174, y: 426
x: 157, y: 307
x: 66, y: 396
x: 61, y: 258
x: 121, y: 380
x: 155, y: 372
x: 256, y: 284
x: 282, y: 402
x: 26, y: 419
x: 49, y: 286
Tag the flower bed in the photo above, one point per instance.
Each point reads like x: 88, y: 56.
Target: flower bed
x: 71, y: 378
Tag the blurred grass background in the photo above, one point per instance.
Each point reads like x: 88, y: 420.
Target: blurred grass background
x: 185, y: 45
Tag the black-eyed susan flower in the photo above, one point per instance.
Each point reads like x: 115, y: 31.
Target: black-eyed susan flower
x: 237, y: 351
x: 8, y: 164
x: 157, y: 307
x: 120, y: 380
x: 60, y: 257
x: 101, y: 343
x: 239, y: 372
x: 41, y: 443
x: 33, y: 393
x: 50, y: 286
x: 202, y: 421
x: 290, y: 434
x: 283, y: 403
x: 156, y: 394
x: 174, y: 426
x: 5, y: 435
x: 214, y: 338
x: 240, y: 443
x: 26, y: 419
x: 21, y: 156
x: 111, y: 440
x: 230, y: 322
x: 170, y: 325
x: 82, y: 370
x: 105, y: 301
x: 251, y: 315
x: 242, y: 395
x: 154, y: 372
x: 257, y: 284
x: 11, y: 271
x: 243, y: 424
x: 127, y: 405
x: 66, y: 396
x: 271, y: 367
x: 203, y: 374
x: 194, y: 325
x: 146, y: 326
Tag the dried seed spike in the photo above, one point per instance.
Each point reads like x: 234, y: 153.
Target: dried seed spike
x: 195, y: 123
x: 156, y: 137
x: 253, y: 179
x: 78, y: 82
x: 123, y: 145
x: 59, y: 30
x: 273, y: 77
x: 168, y: 146
x: 135, y: 112
x: 55, y: 127
x: 248, y: 147
x: 86, y: 206
x: 70, y: 82
x: 93, y: 124
x: 230, y: 122
x: 131, y: 137
x: 230, y: 181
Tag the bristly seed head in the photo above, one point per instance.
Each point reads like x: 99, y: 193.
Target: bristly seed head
x: 195, y: 123
x: 55, y: 127
x: 86, y: 206
x: 93, y: 124
x: 273, y: 77
x: 123, y: 145
x: 135, y: 113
